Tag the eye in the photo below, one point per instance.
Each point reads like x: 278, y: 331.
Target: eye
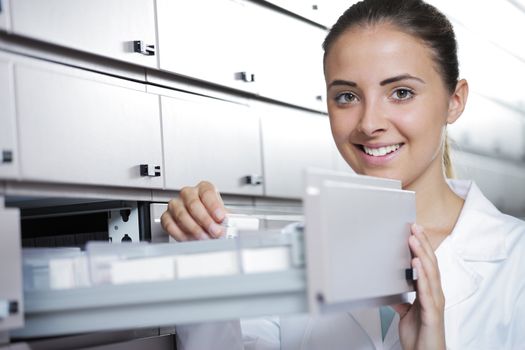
x: 402, y: 94
x: 346, y: 98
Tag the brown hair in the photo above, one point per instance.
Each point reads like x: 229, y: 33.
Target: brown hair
x: 416, y: 18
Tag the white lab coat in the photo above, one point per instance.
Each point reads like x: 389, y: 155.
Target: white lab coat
x: 482, y: 264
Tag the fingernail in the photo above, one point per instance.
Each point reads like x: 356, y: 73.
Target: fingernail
x: 203, y: 236
x: 414, y: 240
x: 215, y: 230
x: 418, y: 229
x: 219, y: 214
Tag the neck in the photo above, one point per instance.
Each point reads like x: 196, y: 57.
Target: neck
x: 437, y: 206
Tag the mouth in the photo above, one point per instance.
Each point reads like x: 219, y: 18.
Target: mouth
x: 380, y: 151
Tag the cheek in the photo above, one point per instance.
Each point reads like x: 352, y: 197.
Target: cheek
x: 423, y: 123
x: 342, y: 126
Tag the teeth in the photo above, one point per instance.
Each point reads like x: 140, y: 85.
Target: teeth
x: 381, y: 151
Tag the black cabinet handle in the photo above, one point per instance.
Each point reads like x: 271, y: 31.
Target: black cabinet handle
x: 7, y: 156
x: 254, y: 180
x: 245, y: 76
x: 149, y: 170
x: 140, y: 47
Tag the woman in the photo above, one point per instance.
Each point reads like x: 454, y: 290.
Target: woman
x: 391, y: 72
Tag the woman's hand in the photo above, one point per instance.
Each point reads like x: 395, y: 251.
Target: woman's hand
x: 195, y: 214
x: 421, y: 324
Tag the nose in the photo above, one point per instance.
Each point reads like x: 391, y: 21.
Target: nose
x: 372, y: 121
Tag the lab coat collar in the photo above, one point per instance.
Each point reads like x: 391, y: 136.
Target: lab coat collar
x: 477, y: 236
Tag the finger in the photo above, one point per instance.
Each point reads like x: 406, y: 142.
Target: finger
x: 425, y: 294
x: 419, y: 232
x: 195, y: 208
x: 212, y: 200
x: 184, y: 221
x: 429, y: 262
x: 171, y: 228
x: 199, y: 213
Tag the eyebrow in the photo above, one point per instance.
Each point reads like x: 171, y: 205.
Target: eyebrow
x: 399, y: 78
x: 339, y: 82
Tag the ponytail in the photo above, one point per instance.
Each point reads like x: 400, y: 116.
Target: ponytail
x: 447, y: 161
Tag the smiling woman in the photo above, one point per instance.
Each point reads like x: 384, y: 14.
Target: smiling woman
x: 393, y: 87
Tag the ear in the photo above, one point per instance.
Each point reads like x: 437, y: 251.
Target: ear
x: 457, y: 101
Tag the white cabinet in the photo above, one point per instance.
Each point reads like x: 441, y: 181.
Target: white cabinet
x: 9, y: 157
x: 292, y: 141
x: 490, y: 128
x: 323, y: 12
x: 4, y: 15
x: 84, y: 128
x: 207, y: 40
x: 288, y: 56
x: 229, y: 43
x: 102, y: 27
x: 207, y: 139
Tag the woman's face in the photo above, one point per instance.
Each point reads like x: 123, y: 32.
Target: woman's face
x: 387, y: 103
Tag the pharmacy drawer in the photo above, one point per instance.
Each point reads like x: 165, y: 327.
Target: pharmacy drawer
x: 85, y: 128
x: 292, y: 141
x: 9, y: 157
x: 207, y: 40
x: 102, y: 27
x: 208, y: 139
x: 289, y: 58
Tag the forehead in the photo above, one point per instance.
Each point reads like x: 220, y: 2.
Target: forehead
x: 380, y: 51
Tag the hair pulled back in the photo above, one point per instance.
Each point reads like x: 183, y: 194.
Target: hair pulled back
x: 414, y: 17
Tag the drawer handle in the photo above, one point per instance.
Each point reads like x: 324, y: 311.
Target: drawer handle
x: 8, y: 307
x: 139, y: 47
x: 247, y: 77
x: 7, y: 156
x: 254, y: 180
x: 149, y: 170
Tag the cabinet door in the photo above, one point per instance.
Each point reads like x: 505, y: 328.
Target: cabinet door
x: 4, y: 14
x: 206, y: 40
x: 8, y: 144
x: 85, y: 128
x: 206, y: 139
x: 10, y: 268
x: 289, y: 56
x: 292, y: 141
x: 103, y: 27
